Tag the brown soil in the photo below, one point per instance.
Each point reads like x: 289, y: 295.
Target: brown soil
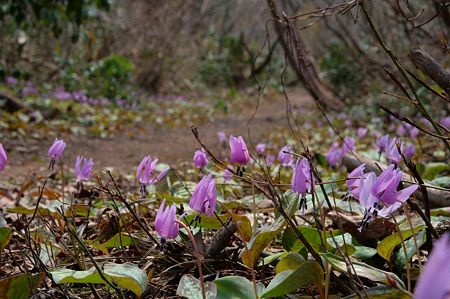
x: 170, y: 145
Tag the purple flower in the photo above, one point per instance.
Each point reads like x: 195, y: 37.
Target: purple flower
x: 239, y: 152
x: 270, y: 159
x: 227, y: 175
x: 83, y: 168
x: 354, y: 180
x: 301, y: 179
x: 204, y: 197
x: 3, y: 158
x: 200, y: 158
x: 408, y: 150
x: 11, y: 81
x: 261, y: 148
x: 392, y: 153
x: 412, y: 131
x: 401, y: 130
x: 349, y: 145
x: 285, y: 158
x: 435, y: 277
x: 445, y: 122
x: 166, y: 221
x: 334, y: 154
x: 379, y: 196
x: 385, y: 188
x: 362, y: 132
x: 57, y: 149
x: 222, y: 137
x: 383, y: 143
x: 61, y: 94
x: 29, y: 89
x: 145, y: 171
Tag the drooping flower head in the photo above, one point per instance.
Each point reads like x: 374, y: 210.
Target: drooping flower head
x: 261, y: 148
x: 239, y: 151
x: 57, y: 149
x: 3, y: 158
x: 383, y: 143
x: 166, y: 221
x: 200, y: 158
x: 145, y: 173
x: 362, y: 132
x: 435, y: 277
x: 408, y: 150
x: 301, y: 179
x: 284, y: 156
x: 348, y: 145
x: 204, y: 197
x: 354, y: 180
x: 392, y: 153
x: 379, y: 196
x: 334, y: 154
x: 83, y: 168
x: 222, y: 137
x: 227, y: 175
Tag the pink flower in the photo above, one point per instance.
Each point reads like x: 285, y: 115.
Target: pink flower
x: 301, y: 179
x: 239, y: 151
x: 145, y: 171
x: 200, y: 158
x: 362, y: 132
x: 334, y: 154
x: 222, y: 137
x: 57, y: 149
x: 204, y: 197
x: 284, y: 156
x: 166, y: 222
x: 83, y: 168
x: 261, y: 148
x: 354, y: 180
x: 3, y: 158
x: 435, y: 277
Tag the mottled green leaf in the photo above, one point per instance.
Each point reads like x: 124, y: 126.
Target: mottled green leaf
x: 290, y: 280
x: 190, y: 287
x: 236, y: 287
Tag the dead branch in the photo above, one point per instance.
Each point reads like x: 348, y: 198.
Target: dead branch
x: 422, y: 60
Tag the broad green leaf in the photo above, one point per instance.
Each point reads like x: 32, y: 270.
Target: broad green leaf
x: 386, y: 247
x: 290, y: 280
x: 363, y: 252
x: 362, y: 269
x: 5, y: 237
x: 269, y: 259
x: 127, y: 276
x: 236, y: 287
x: 381, y: 292
x: 290, y: 262
x: 260, y: 240
x: 20, y: 286
x: 434, y: 168
x: 120, y: 240
x: 292, y: 243
x: 190, y: 287
x: 443, y: 181
x: 400, y: 259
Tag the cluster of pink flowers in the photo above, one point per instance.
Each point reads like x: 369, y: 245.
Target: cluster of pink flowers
x: 378, y: 196
x: 336, y: 152
x: 389, y: 147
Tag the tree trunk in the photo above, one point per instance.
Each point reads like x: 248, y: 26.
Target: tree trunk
x: 302, y: 61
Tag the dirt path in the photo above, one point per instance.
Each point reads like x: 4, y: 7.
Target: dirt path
x: 169, y: 145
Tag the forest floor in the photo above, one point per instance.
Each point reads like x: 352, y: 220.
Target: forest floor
x: 124, y: 150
